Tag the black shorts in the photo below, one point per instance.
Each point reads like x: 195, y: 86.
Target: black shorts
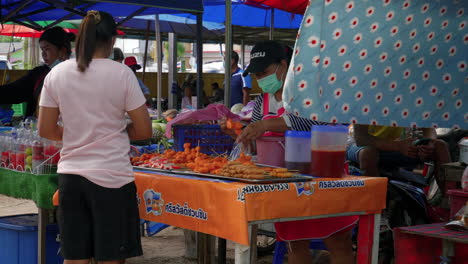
x: 97, y: 222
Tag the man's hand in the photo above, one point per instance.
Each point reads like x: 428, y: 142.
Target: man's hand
x: 223, y: 124
x: 426, y: 152
x: 252, y: 132
x: 406, y: 148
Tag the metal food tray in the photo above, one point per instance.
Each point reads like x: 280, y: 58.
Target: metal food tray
x: 294, y: 178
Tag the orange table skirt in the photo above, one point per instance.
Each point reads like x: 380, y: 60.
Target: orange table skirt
x: 225, y: 208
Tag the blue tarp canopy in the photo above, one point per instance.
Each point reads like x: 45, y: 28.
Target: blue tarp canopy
x: 248, y: 15
x: 24, y: 10
x: 214, y: 11
x: 181, y: 5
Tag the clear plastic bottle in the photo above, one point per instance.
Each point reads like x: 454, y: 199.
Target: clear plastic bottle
x: 37, y: 154
x: 5, y: 160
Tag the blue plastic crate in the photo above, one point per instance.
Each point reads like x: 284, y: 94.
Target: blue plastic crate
x: 18, y: 240
x: 210, y: 138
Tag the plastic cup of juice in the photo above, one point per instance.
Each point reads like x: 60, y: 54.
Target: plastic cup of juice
x: 328, y: 148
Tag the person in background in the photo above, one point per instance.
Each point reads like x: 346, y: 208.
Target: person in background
x: 118, y: 55
x: 269, y: 62
x: 55, y: 46
x: 98, y: 211
x: 374, y: 147
x: 241, y: 84
x: 218, y: 93
x: 189, y: 89
x: 132, y: 63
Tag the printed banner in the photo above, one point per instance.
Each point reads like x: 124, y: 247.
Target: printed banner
x: 223, y: 208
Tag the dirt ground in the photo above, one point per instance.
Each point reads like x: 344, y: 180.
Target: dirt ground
x: 167, y: 246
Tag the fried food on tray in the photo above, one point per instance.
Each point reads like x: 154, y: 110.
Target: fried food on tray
x: 193, y: 159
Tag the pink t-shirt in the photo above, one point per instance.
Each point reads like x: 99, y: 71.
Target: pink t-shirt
x: 92, y: 106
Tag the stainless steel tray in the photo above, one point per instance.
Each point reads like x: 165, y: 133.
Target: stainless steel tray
x: 295, y: 178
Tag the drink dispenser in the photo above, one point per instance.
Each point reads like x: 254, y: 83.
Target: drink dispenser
x: 297, y: 154
x: 328, y: 148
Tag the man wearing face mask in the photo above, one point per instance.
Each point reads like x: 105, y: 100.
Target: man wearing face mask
x: 269, y: 62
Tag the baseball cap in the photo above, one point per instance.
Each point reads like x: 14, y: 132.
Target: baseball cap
x: 264, y: 54
x: 132, y: 62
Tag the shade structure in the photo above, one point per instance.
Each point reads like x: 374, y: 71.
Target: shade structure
x: 27, y: 32
x: 248, y: 15
x: 20, y: 10
x: 396, y: 63
x: 292, y: 6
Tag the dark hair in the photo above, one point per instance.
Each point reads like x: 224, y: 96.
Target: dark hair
x: 97, y: 28
x: 288, y: 52
x: 59, y: 38
x: 118, y: 54
x: 235, y: 57
x: 216, y: 85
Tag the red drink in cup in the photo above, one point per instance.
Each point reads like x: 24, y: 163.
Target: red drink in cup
x: 328, y: 145
x: 329, y: 164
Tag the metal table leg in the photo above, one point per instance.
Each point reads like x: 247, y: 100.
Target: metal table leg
x: 221, y: 250
x: 253, y: 243
x: 375, y: 242
x: 43, y: 218
x: 247, y: 254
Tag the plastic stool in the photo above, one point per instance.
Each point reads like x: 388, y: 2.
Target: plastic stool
x: 280, y: 249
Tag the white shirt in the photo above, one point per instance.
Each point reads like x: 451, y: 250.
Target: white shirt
x: 92, y: 106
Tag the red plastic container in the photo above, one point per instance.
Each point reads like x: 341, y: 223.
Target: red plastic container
x: 458, y: 199
x: 270, y: 151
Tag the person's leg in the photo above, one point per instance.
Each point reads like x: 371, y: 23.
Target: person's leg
x: 81, y: 261
x: 340, y: 247
x: 112, y: 262
x: 299, y: 252
x: 116, y: 223
x: 369, y: 160
x: 74, y: 221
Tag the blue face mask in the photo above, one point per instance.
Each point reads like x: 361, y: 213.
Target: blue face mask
x: 55, y: 63
x: 270, y: 84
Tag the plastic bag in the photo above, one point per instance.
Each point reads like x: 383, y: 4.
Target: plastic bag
x: 210, y: 113
x: 464, y: 180
x: 461, y: 220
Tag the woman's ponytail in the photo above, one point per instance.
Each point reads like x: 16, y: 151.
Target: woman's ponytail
x: 97, y: 28
x: 86, y: 41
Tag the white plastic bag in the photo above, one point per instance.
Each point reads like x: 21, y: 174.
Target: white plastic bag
x: 464, y: 180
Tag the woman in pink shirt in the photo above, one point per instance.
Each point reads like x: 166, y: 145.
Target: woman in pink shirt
x: 98, y: 212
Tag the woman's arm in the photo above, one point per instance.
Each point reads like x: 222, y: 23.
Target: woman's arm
x: 47, y: 125
x: 22, y: 89
x: 140, y: 128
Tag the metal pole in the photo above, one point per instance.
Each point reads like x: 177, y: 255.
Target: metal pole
x: 146, y: 50
x: 228, y: 54
x: 243, y: 54
x: 43, y: 216
x: 172, y: 69
x: 199, y: 60
x: 221, y: 250
x: 272, y: 23
x: 159, y: 59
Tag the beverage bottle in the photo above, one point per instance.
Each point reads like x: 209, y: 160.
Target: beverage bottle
x: 6, y: 151
x: 37, y: 154
x: 28, y: 153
